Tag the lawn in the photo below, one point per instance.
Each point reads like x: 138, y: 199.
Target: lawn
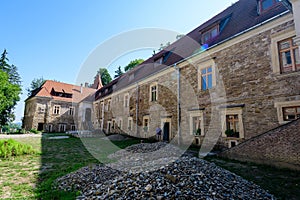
x: 32, y: 176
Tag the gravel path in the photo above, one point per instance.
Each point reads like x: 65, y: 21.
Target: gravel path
x: 3, y: 136
x: 185, y: 178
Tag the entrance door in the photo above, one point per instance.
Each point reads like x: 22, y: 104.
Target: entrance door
x: 40, y: 126
x: 166, y: 131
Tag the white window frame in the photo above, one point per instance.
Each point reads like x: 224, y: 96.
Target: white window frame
x: 233, y: 111
x: 120, y: 123
x: 62, y: 127
x: 280, y: 105
x: 197, y: 113
x: 147, y: 117
x: 205, y: 65
x: 126, y: 100
x: 130, y: 124
x: 71, y: 110
x: 55, y: 110
x: 153, y: 85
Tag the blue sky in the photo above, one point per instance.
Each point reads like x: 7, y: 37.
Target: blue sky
x: 52, y: 39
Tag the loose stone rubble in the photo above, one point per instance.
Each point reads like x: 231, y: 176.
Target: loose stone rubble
x: 185, y: 178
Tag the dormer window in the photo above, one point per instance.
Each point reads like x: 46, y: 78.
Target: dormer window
x: 210, y: 34
x: 159, y: 60
x: 267, y: 4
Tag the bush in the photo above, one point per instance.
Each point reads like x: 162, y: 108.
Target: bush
x: 9, y: 148
x: 34, y: 131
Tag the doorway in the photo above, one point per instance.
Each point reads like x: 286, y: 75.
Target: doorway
x: 40, y: 126
x: 166, y: 129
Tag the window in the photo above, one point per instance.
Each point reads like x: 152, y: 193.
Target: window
x: 71, y: 111
x: 130, y: 123
x: 232, y: 120
x: 153, y: 92
x: 196, y: 126
x: 41, y: 109
x: 267, y: 4
x: 62, y: 128
x: 291, y: 113
x: 146, y: 123
x: 210, y: 34
x: 120, y: 123
x: 126, y: 100
x: 108, y: 105
x: 73, y: 127
x: 56, y: 110
x: 232, y: 126
x: 196, y: 123
x: 206, y: 78
x: 288, y: 55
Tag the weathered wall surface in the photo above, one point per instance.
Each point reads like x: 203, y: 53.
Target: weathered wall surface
x: 279, y: 147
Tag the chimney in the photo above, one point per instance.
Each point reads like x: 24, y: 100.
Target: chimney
x: 81, y: 88
x: 86, y: 84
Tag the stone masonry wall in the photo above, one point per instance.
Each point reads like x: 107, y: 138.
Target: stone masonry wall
x: 279, y: 147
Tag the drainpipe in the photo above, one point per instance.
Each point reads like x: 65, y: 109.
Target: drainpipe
x: 178, y: 104
x: 296, y: 16
x: 137, y: 109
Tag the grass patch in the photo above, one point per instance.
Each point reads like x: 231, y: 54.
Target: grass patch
x: 10, y: 148
x: 32, y: 176
x: 283, y: 183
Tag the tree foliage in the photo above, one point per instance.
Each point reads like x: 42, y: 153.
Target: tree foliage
x: 105, y: 76
x: 118, y: 72
x: 35, y: 84
x: 133, y: 64
x: 10, y: 89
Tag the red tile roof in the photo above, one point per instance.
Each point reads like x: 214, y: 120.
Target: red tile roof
x: 78, y: 93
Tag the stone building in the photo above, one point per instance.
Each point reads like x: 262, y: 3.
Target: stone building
x: 230, y: 79
x: 60, y: 107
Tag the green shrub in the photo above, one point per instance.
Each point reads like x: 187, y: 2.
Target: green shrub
x: 34, y: 131
x: 9, y: 148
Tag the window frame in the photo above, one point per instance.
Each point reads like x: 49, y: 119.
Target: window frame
x: 126, y: 100
x: 56, y: 109
x: 129, y: 123
x: 156, y: 92
x: 193, y: 114
x: 275, y: 39
x: 291, y: 49
x: 60, y: 127
x: 209, y: 31
x: 295, y: 113
x: 261, y: 10
x: 233, y: 111
x: 71, y: 111
x: 205, y: 65
x: 148, y: 123
x: 284, y: 104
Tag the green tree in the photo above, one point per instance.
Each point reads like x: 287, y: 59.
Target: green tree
x: 133, y: 64
x: 9, y: 96
x: 118, y: 72
x: 35, y: 84
x: 10, y: 89
x: 105, y: 76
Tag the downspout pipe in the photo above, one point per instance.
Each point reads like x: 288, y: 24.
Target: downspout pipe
x: 178, y: 104
x: 137, y: 109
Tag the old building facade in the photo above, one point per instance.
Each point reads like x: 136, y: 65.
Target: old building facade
x: 232, y: 78
x: 60, y: 107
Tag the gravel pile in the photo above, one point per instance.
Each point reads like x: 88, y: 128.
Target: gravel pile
x: 185, y: 178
